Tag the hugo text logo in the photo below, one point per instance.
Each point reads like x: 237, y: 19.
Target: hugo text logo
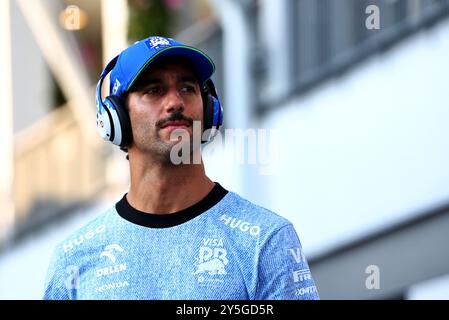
x: 243, y: 226
x: 69, y: 245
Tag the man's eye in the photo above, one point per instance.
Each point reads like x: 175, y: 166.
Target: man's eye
x: 188, y: 89
x: 153, y: 90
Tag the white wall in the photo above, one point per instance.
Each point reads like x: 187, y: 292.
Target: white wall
x: 6, y: 126
x: 364, y: 150
x: 23, y: 268
x: 434, y: 289
x: 32, y: 86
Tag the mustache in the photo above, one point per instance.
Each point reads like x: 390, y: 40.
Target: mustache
x: 175, y: 116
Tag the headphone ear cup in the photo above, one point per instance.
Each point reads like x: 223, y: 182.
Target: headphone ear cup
x: 104, y: 124
x: 120, y: 124
x: 213, y: 111
x: 218, y: 113
x: 208, y: 113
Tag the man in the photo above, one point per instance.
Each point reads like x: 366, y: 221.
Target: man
x: 176, y: 234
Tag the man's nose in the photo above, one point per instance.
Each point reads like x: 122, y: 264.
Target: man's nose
x: 174, y: 101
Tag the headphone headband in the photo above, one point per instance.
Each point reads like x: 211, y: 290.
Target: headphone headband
x: 106, y: 70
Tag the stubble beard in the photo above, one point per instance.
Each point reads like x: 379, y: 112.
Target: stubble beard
x: 161, y: 149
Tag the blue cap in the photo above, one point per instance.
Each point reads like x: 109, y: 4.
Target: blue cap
x: 133, y: 60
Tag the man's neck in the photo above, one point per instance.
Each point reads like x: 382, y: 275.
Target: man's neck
x: 166, y: 188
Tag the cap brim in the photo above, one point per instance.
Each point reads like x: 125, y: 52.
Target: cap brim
x: 203, y: 64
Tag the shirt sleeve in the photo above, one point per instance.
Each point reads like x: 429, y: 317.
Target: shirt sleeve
x: 61, y: 280
x: 283, y: 271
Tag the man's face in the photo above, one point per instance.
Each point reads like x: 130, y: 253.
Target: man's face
x: 166, y: 97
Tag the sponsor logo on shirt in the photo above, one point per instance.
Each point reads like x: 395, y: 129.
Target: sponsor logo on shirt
x: 243, y: 226
x: 211, y: 261
x: 82, y: 238
x: 110, y: 252
x: 113, y: 285
x: 111, y: 269
x: 297, y: 255
x: 301, y: 275
x: 305, y: 290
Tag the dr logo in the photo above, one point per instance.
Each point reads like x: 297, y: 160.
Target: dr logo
x: 212, y: 258
x: 214, y: 266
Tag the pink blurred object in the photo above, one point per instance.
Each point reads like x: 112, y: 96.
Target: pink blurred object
x: 174, y: 4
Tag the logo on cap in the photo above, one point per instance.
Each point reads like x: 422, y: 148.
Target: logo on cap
x: 116, y: 86
x: 156, y: 42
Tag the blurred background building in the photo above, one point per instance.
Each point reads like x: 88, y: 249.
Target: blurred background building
x: 359, y: 110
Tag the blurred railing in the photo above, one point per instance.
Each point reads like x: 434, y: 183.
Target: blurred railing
x: 54, y: 166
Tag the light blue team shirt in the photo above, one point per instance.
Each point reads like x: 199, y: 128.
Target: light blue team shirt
x: 222, y: 248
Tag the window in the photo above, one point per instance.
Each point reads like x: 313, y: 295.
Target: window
x: 330, y: 36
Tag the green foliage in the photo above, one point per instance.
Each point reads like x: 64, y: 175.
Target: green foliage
x: 148, y: 17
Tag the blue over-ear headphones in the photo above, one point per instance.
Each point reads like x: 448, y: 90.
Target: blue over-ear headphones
x: 113, y: 121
